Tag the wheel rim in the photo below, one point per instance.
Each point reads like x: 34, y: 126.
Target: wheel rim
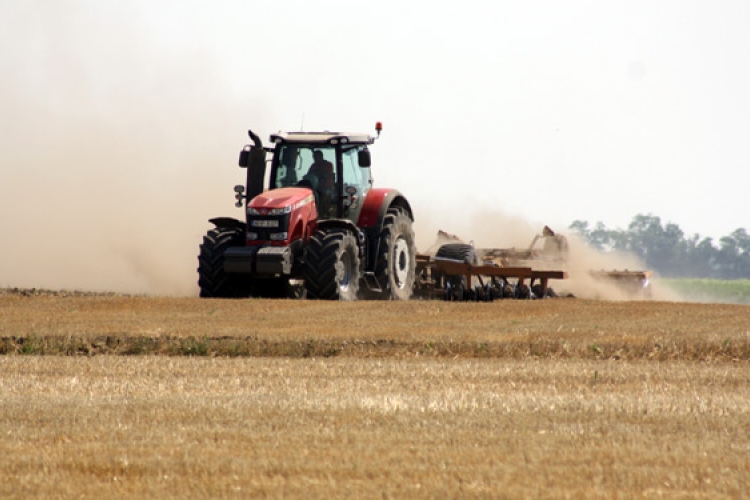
x: 346, y: 275
x: 401, y: 262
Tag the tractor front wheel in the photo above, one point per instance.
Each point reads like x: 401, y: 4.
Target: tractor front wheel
x: 332, y: 266
x: 212, y: 279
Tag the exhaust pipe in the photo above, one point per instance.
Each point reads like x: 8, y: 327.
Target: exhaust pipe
x: 254, y: 159
x: 256, y: 140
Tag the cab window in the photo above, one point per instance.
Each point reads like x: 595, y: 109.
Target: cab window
x: 295, y: 162
x: 354, y: 175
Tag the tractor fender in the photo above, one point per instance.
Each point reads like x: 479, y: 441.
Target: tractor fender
x: 371, y: 219
x: 338, y: 223
x: 377, y: 204
x: 227, y: 222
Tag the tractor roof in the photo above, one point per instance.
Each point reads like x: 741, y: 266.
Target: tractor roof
x: 321, y: 138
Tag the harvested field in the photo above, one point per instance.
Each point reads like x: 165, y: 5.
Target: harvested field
x: 560, y: 328
x: 374, y: 399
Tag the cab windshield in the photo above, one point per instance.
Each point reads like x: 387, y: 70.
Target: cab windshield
x: 296, y: 163
x: 315, y: 167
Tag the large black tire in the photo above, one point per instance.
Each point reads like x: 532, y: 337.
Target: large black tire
x: 458, y: 251
x: 332, y: 266
x: 457, y: 287
x: 395, y: 268
x: 212, y: 279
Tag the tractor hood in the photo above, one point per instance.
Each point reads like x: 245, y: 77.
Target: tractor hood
x: 294, y: 197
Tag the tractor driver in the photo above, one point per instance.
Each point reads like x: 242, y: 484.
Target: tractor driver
x: 322, y: 170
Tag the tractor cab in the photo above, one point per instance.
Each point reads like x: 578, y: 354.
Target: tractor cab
x: 334, y: 166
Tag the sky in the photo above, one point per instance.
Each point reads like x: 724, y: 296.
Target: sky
x: 121, y: 121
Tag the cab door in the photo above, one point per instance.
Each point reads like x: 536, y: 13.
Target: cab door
x: 357, y: 183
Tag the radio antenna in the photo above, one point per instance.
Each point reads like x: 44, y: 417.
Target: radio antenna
x: 302, y: 125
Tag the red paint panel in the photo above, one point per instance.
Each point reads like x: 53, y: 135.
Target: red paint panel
x: 368, y: 217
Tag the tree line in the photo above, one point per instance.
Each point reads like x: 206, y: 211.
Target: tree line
x: 667, y: 250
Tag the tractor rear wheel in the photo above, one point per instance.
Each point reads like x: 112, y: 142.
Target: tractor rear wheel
x: 332, y: 266
x: 397, y: 256
x: 212, y: 279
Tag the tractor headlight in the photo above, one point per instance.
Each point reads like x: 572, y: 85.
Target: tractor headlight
x: 280, y: 211
x: 278, y: 236
x: 252, y: 211
x: 252, y: 236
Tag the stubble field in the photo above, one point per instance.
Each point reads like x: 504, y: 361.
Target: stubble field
x: 144, y: 396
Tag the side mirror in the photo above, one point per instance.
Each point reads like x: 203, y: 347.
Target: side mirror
x: 364, y: 158
x: 253, y: 158
x: 244, y: 157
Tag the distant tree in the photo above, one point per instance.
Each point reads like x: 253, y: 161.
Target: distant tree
x: 661, y: 247
x: 701, y: 258
x: 599, y: 237
x: 733, y: 257
x: 581, y: 227
x: 666, y: 249
x: 743, y: 245
x: 727, y: 257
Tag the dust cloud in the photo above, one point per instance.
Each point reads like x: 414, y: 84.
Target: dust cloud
x: 99, y: 208
x: 581, y: 283
x: 493, y: 229
x: 111, y: 161
x: 115, y: 151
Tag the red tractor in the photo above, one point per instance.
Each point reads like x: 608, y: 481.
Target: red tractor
x: 319, y: 229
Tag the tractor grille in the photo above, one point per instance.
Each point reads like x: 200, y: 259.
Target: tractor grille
x: 265, y: 225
